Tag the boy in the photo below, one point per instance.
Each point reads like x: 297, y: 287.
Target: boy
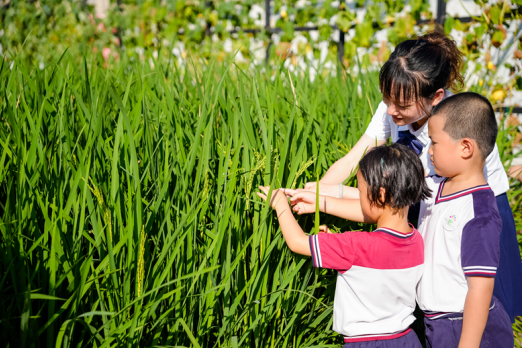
x: 461, y: 227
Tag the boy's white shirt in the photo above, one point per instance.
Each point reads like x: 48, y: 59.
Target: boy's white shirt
x: 461, y: 233
x: 382, y: 127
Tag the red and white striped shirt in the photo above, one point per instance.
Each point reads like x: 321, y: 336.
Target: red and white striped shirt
x: 376, y: 283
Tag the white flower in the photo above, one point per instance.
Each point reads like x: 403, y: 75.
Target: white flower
x: 335, y: 35
x: 302, y: 3
x: 257, y: 13
x: 239, y: 57
x: 229, y: 25
x: 276, y: 38
x: 323, y: 49
x: 299, y: 38
x: 322, y: 21
x: 380, y: 36
x: 503, y: 75
x: 360, y: 13
x: 227, y: 45
x: 257, y: 48
x: 333, y: 19
x: 457, y: 35
x: 41, y: 65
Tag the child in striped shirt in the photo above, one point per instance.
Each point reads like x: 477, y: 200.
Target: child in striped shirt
x: 378, y: 271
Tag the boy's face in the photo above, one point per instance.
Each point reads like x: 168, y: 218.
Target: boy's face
x: 444, y: 151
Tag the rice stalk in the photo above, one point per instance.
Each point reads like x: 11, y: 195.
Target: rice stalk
x: 141, y: 262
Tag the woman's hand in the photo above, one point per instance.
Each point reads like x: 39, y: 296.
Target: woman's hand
x: 278, y: 200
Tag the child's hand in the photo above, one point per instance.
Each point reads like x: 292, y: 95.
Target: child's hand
x: 278, y: 200
x: 302, y: 202
x: 324, y: 228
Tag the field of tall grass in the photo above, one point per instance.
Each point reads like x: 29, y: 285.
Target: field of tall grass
x: 128, y: 213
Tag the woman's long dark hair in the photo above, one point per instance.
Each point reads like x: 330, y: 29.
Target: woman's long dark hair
x: 418, y: 68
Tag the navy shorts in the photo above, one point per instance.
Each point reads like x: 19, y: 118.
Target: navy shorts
x: 445, y: 332
x: 409, y: 340
x: 508, y: 280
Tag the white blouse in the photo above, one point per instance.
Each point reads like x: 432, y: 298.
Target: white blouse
x: 382, y: 127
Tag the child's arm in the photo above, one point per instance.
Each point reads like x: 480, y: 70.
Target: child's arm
x: 294, y: 235
x: 476, y: 310
x: 350, y: 209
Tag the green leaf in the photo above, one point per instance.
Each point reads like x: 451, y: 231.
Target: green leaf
x: 480, y: 30
x: 45, y: 297
x: 498, y: 37
x: 449, y: 23
x: 496, y: 12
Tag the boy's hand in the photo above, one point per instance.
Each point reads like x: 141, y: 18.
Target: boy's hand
x: 278, y: 200
x: 325, y: 229
x: 302, y: 202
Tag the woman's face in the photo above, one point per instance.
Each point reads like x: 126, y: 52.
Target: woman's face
x: 405, y: 113
x: 410, y: 112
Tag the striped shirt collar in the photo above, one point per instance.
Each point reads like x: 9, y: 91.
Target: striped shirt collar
x: 397, y: 233
x: 458, y: 194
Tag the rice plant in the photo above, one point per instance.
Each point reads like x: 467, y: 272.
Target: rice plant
x: 128, y: 210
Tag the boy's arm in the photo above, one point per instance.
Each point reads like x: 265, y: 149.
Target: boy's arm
x: 294, y: 235
x: 480, y: 255
x: 476, y: 310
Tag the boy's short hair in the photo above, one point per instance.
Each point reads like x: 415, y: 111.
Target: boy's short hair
x: 469, y: 115
x: 398, y: 170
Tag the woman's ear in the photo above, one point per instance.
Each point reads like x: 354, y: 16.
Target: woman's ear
x: 438, y: 97
x: 468, y: 147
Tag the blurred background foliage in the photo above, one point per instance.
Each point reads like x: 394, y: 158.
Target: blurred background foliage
x: 40, y: 31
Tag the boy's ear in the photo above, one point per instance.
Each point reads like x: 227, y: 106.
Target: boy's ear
x: 468, y: 148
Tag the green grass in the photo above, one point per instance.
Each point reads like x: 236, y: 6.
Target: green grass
x: 128, y: 210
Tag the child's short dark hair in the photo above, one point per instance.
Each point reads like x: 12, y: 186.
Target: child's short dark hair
x: 398, y: 170
x: 469, y: 115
